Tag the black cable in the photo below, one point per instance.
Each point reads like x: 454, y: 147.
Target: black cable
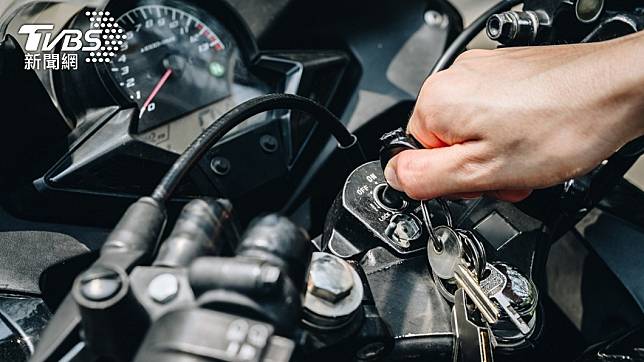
x: 469, y: 33
x: 211, y: 135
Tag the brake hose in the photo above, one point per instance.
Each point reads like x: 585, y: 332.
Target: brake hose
x: 213, y: 133
x: 466, y: 36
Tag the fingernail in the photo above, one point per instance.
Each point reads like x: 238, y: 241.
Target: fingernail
x: 391, y: 177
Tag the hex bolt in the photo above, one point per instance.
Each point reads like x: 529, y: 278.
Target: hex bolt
x: 514, y: 27
x: 268, y: 143
x: 330, y: 278
x: 220, y: 165
x: 501, y: 26
x: 99, y: 284
x: 163, y: 288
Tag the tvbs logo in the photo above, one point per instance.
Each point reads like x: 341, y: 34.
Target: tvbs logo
x: 71, y: 38
x: 101, y: 40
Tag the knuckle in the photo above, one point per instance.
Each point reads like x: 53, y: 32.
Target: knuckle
x: 479, y: 172
x: 437, y: 82
x: 440, y: 89
x: 435, y: 95
x: 422, y: 120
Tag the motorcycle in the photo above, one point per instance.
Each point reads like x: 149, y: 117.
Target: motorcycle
x: 192, y: 180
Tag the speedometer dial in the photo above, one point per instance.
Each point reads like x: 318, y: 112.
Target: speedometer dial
x: 172, y: 62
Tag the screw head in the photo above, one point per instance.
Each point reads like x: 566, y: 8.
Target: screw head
x: 435, y: 19
x: 330, y: 278
x: 100, y: 283
x: 268, y: 143
x: 220, y: 165
x: 163, y: 288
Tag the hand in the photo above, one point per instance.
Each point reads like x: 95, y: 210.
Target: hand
x: 503, y: 122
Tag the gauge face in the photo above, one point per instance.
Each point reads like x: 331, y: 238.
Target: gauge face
x: 172, y: 62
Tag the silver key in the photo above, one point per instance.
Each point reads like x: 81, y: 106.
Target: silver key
x: 493, y: 287
x: 466, y: 280
x: 444, y: 257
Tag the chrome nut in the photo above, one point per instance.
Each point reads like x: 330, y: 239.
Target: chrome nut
x: 330, y: 278
x: 502, y: 26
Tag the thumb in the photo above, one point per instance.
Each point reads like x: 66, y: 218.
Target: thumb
x: 430, y: 173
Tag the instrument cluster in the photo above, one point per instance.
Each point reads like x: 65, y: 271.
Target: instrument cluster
x: 177, y: 67
x: 183, y: 70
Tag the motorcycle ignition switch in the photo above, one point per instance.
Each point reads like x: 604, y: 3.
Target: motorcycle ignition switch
x: 393, y: 143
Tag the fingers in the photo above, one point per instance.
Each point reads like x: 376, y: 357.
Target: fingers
x: 417, y: 128
x: 438, y: 119
x: 448, y: 171
x: 428, y: 173
x: 464, y: 195
x: 459, y: 161
x: 503, y: 195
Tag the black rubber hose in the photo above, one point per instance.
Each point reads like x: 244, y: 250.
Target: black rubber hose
x: 466, y: 36
x: 211, y: 135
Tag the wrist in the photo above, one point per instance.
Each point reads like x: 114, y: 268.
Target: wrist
x: 624, y: 84
x: 632, y: 48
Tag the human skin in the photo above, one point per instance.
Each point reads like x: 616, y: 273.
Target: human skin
x: 504, y: 122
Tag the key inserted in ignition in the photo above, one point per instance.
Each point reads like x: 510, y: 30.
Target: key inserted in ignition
x: 393, y: 143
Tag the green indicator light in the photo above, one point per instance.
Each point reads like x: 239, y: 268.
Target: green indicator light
x: 216, y: 69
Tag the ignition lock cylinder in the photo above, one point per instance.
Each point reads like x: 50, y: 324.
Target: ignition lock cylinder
x: 393, y: 143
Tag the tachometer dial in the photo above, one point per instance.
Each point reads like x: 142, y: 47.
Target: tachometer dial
x: 172, y: 62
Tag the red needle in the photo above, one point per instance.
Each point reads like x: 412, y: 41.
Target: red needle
x: 155, y: 90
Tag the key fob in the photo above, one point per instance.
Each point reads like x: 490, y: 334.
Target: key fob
x: 393, y: 143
